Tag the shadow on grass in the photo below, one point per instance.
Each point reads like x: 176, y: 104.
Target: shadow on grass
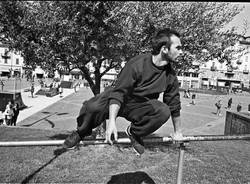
x: 57, y: 153
x: 59, y: 136
x: 131, y: 178
x: 42, y: 119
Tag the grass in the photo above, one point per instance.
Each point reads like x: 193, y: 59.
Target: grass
x: 205, y: 162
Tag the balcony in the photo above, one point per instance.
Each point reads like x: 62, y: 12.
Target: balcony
x: 245, y: 71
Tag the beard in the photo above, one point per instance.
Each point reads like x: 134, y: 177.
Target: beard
x: 167, y: 57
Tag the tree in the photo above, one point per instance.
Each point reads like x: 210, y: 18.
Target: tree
x: 77, y: 33
x: 200, y: 24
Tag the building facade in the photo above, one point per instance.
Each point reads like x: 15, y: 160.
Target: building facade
x: 216, y: 75
x: 11, y: 63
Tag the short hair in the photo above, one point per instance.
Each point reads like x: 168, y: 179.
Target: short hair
x: 162, y: 37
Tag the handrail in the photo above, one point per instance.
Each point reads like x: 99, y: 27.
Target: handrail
x: 127, y: 140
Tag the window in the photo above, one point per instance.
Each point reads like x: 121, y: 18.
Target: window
x: 194, y: 74
x: 17, y: 61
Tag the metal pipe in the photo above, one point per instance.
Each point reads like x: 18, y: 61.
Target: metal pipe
x: 180, y: 163
x: 127, y: 140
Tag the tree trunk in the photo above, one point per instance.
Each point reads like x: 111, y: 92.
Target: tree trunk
x: 96, y: 89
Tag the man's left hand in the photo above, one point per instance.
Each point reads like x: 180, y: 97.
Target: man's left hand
x: 177, y: 136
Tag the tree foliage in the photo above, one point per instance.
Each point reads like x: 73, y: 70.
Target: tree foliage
x: 73, y: 34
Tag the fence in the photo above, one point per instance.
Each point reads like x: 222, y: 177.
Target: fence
x: 146, y: 140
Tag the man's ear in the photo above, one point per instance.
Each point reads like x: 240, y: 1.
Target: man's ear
x: 164, y: 49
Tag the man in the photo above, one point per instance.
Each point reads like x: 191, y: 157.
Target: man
x: 135, y: 95
x: 239, y: 107
x: 229, y: 103
x: 2, y: 84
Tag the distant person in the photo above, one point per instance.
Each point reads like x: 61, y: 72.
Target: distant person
x: 16, y: 113
x: 8, y: 114
x: 218, y: 105
x: 75, y: 85
x: 185, y: 94
x: 2, y: 84
x: 60, y: 90
x: 188, y: 93
x: 193, y: 99
x: 32, y: 89
x: 229, y: 103
x: 239, y: 107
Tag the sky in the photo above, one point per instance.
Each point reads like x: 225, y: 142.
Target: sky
x: 239, y: 19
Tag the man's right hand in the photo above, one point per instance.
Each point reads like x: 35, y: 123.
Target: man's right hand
x: 111, y: 129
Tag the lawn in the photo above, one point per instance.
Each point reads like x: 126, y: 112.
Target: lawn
x: 205, y: 162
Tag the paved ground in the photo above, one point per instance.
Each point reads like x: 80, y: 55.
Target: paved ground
x: 55, y: 113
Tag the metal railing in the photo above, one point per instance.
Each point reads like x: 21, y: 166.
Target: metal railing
x: 127, y: 141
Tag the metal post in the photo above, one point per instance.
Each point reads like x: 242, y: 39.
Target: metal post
x: 14, y: 96
x: 180, y: 163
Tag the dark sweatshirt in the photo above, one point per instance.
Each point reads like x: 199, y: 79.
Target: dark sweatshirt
x: 140, y: 77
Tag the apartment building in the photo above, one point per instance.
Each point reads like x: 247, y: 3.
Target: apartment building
x: 11, y: 63
x: 216, y: 75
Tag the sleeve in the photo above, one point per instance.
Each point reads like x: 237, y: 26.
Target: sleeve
x: 124, y: 84
x: 172, y: 98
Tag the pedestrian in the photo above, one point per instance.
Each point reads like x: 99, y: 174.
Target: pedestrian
x: 135, y: 96
x: 16, y: 113
x: 9, y: 114
x: 188, y: 93
x: 229, y: 103
x: 239, y: 107
x: 2, y: 84
x: 32, y: 89
x: 218, y: 104
x: 75, y: 85
x: 60, y: 90
x: 193, y: 99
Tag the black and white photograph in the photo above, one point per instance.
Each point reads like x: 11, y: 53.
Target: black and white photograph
x: 125, y: 92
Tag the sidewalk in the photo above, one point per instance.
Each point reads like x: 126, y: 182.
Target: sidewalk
x: 55, y: 113
x: 39, y: 102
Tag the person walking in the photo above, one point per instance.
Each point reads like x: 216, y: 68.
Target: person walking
x: 9, y: 114
x: 32, y: 89
x: 60, y: 91
x: 239, y: 107
x: 229, y: 103
x: 218, y: 104
x: 2, y: 84
x: 15, y: 115
x: 193, y: 99
x: 135, y: 96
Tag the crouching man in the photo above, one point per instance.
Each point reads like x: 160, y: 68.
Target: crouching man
x: 135, y: 95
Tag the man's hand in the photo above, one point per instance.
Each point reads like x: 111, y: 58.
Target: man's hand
x: 177, y: 136
x: 111, y: 129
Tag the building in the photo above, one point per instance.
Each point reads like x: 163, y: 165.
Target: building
x: 220, y: 76
x: 11, y: 63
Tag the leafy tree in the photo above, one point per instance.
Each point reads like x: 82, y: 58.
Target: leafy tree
x: 76, y: 33
x: 200, y: 24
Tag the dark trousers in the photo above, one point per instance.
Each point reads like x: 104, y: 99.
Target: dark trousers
x: 146, y: 115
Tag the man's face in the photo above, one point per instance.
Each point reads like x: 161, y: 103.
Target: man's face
x: 175, y: 49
